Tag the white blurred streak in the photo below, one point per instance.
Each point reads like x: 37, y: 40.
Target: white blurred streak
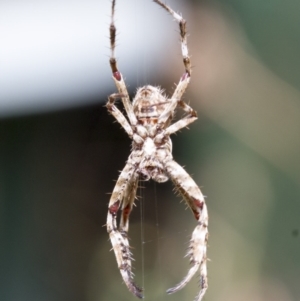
x: 55, y: 53
x: 240, y: 94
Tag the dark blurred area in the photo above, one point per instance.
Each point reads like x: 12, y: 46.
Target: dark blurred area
x: 57, y: 169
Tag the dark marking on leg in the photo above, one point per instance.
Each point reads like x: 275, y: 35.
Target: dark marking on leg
x: 114, y: 208
x: 185, y: 75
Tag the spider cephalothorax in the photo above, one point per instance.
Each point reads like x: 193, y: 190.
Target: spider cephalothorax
x: 149, y: 125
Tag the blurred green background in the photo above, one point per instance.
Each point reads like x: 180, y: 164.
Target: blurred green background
x: 57, y: 169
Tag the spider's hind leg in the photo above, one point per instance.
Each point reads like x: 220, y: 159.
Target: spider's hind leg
x: 123, y: 194
x: 191, y: 193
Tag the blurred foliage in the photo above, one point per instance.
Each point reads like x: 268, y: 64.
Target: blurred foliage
x: 272, y: 27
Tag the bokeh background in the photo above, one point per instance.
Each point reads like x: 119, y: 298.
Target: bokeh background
x: 60, y: 151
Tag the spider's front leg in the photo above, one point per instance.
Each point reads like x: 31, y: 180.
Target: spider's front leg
x: 123, y: 195
x: 117, y: 75
x: 182, y: 28
x: 191, y: 193
x: 110, y: 105
x: 185, y: 78
x: 178, y: 125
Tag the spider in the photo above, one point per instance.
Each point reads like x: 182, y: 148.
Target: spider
x: 148, y: 124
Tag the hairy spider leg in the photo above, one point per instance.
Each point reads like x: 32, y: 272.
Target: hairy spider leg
x: 110, y: 105
x: 182, y: 28
x: 123, y: 194
x: 128, y: 202
x: 184, y: 80
x: 117, y: 75
x: 191, y: 193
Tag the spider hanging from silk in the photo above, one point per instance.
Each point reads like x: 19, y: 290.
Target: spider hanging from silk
x: 149, y: 125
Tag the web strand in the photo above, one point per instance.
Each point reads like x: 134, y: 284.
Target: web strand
x: 142, y: 214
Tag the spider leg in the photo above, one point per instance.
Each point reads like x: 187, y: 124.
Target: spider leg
x: 128, y: 203
x: 175, y: 100
x: 178, y: 125
x: 191, y: 193
x: 185, y: 78
x: 117, y: 75
x: 110, y: 105
x: 123, y: 194
x: 182, y: 27
x: 184, y: 122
